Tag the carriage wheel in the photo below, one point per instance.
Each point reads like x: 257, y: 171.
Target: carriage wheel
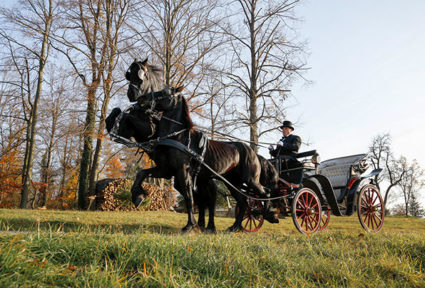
x: 253, y: 218
x: 326, y: 215
x: 370, y: 208
x: 306, y: 211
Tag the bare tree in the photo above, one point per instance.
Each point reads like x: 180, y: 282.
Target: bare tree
x: 415, y: 208
x: 382, y: 158
x: 27, y: 29
x: 217, y: 110
x: 411, y: 183
x: 56, y: 104
x: 115, y: 14
x: 86, y: 33
x: 266, y: 59
x: 180, y: 35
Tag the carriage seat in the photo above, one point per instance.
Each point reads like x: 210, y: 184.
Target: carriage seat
x: 306, y: 154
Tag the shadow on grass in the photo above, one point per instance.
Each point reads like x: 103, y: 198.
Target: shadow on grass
x: 30, y: 225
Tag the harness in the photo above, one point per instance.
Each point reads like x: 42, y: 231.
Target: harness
x: 151, y: 145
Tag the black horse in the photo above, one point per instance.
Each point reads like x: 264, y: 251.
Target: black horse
x: 237, y: 162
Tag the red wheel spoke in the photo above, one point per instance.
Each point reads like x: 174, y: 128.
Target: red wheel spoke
x: 300, y: 204
x: 246, y: 224
x: 374, y: 200
x: 313, y: 221
x: 375, y: 221
x: 306, y: 211
x: 311, y: 200
x: 307, y: 224
x: 302, y: 222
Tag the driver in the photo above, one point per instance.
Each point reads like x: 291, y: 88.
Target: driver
x: 289, y: 144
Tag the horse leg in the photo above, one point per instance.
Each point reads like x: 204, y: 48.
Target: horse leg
x: 199, y: 199
x: 137, y: 192
x: 201, y: 214
x: 183, y: 183
x: 269, y: 213
x: 241, y: 206
x: 212, y: 199
x: 205, y: 197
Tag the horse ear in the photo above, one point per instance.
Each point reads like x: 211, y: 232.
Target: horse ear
x: 179, y: 89
x: 144, y: 62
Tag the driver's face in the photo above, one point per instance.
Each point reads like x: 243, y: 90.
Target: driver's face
x: 286, y: 131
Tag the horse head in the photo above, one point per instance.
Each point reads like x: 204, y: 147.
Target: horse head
x: 131, y: 123
x: 175, y: 117
x: 144, y: 78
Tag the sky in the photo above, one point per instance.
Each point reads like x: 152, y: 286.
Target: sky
x: 367, y: 65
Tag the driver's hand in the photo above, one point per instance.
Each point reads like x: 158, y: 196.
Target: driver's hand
x: 271, y: 147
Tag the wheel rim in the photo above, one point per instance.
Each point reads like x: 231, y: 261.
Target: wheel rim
x: 252, y: 222
x: 306, y: 211
x: 324, y: 221
x: 370, y: 209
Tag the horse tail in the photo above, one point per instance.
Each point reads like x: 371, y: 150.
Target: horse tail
x: 269, y: 176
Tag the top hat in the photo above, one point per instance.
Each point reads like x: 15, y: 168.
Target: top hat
x: 288, y: 124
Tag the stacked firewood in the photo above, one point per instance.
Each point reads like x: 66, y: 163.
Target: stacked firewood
x: 115, y: 195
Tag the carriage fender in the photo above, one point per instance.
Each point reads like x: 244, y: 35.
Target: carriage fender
x: 312, y: 183
x: 326, y: 191
x: 351, y: 197
x: 356, y: 187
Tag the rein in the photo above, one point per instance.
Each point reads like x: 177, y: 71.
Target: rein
x: 260, y: 144
x: 148, y: 146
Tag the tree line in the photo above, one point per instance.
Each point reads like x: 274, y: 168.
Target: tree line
x: 62, y: 67
x: 402, y: 179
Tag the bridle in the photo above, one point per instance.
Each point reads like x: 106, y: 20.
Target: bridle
x: 141, y: 74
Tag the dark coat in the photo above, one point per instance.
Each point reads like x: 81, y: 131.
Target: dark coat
x: 291, y: 145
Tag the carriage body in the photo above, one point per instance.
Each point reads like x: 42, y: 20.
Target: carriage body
x: 350, y: 190
x: 314, y: 191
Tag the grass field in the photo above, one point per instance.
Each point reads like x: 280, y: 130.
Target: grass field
x: 145, y: 249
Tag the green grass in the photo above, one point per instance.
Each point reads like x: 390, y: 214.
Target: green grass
x: 146, y: 249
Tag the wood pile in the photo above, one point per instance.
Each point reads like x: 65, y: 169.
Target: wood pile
x: 115, y: 195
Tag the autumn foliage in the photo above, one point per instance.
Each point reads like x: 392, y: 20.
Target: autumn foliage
x: 10, y: 179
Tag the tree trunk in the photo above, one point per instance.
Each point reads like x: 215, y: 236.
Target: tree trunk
x: 100, y: 131
x: 29, y: 153
x: 64, y: 170
x: 86, y: 156
x: 253, y: 129
x: 253, y: 126
x: 26, y: 169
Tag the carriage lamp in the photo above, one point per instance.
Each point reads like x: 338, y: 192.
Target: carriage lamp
x: 316, y: 158
x: 316, y: 161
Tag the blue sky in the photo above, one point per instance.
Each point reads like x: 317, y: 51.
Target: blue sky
x: 368, y: 70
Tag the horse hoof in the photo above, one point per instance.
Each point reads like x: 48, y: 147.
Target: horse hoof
x: 234, y: 229
x: 190, y: 228
x: 139, y: 200
x: 272, y: 218
x: 210, y: 231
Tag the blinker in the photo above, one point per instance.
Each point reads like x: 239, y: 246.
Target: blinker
x: 127, y: 75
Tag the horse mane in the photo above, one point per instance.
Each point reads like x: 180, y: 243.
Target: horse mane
x: 187, y: 117
x: 154, y: 80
